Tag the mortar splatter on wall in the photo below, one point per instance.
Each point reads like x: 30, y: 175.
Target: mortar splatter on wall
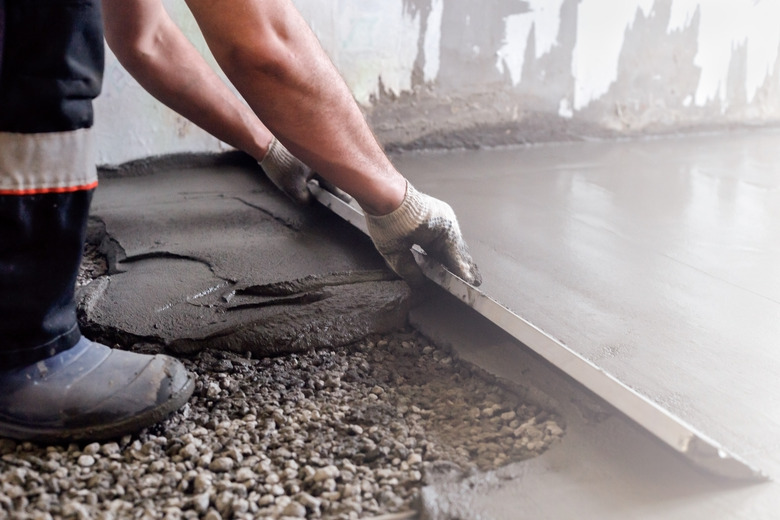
x: 464, y: 73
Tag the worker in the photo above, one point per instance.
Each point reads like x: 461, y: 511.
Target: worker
x: 57, y: 385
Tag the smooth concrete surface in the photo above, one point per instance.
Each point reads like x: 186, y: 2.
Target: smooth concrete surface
x: 657, y: 260
x: 698, y: 448
x: 605, y: 467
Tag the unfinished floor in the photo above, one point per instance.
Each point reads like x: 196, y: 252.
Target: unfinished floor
x: 656, y: 260
x: 313, y: 398
x: 659, y: 261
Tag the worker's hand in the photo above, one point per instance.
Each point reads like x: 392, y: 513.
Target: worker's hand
x: 429, y: 223
x: 291, y: 176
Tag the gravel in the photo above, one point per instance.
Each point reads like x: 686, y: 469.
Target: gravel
x: 350, y: 433
x: 94, y: 265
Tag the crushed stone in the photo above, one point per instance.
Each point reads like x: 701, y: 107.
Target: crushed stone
x: 344, y: 434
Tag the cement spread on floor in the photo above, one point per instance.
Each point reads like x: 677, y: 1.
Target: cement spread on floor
x: 219, y: 258
x: 656, y: 260
x: 698, y: 448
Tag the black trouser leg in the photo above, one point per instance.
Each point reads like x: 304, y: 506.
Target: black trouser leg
x: 51, y: 66
x: 40, y: 251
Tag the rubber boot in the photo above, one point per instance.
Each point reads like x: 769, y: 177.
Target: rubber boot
x: 56, y: 385
x: 90, y: 392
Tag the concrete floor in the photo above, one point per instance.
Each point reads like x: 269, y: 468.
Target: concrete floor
x: 659, y: 261
x: 656, y: 260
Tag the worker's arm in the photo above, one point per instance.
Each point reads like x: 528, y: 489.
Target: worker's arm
x: 156, y: 53
x: 269, y: 53
x: 272, y: 57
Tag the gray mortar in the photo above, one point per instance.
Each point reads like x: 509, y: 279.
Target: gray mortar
x: 199, y: 260
x: 331, y: 316
x: 332, y: 319
x: 474, y: 121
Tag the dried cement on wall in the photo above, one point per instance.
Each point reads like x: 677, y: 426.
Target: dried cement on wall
x: 430, y: 73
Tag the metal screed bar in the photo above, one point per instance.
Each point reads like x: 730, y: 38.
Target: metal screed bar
x: 683, y: 438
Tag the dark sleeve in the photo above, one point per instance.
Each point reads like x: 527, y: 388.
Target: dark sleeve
x: 52, y: 64
x: 2, y: 33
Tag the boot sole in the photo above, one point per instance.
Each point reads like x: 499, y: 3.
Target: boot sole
x: 100, y: 432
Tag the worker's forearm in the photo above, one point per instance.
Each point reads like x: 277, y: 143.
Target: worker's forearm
x: 156, y: 53
x: 272, y: 57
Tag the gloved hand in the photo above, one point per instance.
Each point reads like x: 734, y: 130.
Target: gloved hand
x: 432, y: 225
x: 291, y: 176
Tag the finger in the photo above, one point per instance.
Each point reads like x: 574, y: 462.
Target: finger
x: 405, y: 266
x: 464, y: 266
x: 453, y: 253
x: 298, y: 189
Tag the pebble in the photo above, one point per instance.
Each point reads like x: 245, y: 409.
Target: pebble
x: 212, y: 514
x: 189, y: 451
x: 221, y: 464
x: 265, y: 500
x: 295, y: 510
x: 328, y: 472
x: 202, y: 483
x: 92, y: 449
x: 240, y: 506
x: 554, y: 430
x: 201, y: 502
x: 86, y: 461
x: 488, y: 412
x: 213, y: 390
x: 244, y: 474
x: 309, y: 501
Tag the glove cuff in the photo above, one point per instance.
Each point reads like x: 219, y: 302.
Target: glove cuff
x: 401, y: 221
x: 277, y: 157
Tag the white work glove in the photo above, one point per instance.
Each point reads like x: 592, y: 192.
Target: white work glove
x: 291, y: 176
x: 432, y: 225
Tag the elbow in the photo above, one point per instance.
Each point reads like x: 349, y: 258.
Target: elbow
x: 268, y: 53
x: 135, y: 45
x: 132, y: 52
x: 270, y: 61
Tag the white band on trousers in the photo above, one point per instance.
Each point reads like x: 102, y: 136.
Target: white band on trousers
x: 53, y: 162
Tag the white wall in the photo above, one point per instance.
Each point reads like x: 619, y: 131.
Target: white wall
x: 464, y: 72
x: 131, y: 124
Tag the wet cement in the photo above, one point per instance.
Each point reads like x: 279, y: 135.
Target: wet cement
x: 606, y: 467
x: 653, y: 259
x: 658, y: 261
x: 202, y: 257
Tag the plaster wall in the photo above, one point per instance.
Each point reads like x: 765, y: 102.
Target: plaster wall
x: 430, y: 73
